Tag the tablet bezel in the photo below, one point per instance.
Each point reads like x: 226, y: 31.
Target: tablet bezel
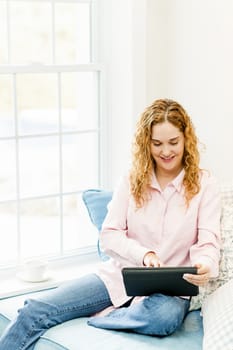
x: 144, y: 281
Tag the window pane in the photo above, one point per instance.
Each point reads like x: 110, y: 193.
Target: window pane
x: 72, y: 31
x: 8, y: 170
x: 80, y: 162
x: 6, y: 106
x: 77, y: 227
x: 39, y: 166
x: 40, y: 227
x: 8, y: 232
x: 3, y: 33
x: 49, y: 133
x: 79, y: 101
x: 37, y: 103
x: 30, y: 27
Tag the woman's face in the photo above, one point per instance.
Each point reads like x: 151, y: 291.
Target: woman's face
x: 167, y: 148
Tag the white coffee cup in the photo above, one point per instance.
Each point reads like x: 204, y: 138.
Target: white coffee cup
x: 34, y: 270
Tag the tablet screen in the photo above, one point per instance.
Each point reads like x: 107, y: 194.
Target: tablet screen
x: 143, y: 281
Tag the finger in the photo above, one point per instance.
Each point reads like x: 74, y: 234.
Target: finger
x: 154, y: 263
x: 196, y: 277
x: 197, y: 280
x: 201, y: 269
x: 198, y: 266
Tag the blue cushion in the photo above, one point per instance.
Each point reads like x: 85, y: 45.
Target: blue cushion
x: 76, y: 334
x: 96, y: 202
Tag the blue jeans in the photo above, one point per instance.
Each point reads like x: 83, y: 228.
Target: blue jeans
x: 82, y: 297
x: 157, y: 314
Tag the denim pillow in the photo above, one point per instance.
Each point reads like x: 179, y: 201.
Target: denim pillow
x: 96, y: 202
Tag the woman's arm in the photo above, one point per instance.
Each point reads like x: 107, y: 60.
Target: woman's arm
x: 206, y: 251
x: 114, y: 238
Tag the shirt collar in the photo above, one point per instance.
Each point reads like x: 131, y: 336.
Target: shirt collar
x: 176, y: 182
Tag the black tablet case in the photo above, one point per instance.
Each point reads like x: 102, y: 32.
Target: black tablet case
x: 143, y: 281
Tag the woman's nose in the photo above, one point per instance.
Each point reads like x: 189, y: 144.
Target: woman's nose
x: 166, y: 151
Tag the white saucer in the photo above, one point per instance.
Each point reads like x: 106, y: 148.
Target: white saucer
x: 22, y: 276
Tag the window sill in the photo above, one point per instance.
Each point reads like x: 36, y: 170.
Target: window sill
x: 12, y: 285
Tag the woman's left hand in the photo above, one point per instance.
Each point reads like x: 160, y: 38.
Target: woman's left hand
x: 202, y: 276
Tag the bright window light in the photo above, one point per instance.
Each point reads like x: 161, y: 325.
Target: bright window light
x: 50, y: 127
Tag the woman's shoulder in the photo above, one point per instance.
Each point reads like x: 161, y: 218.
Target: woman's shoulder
x: 124, y: 178
x: 208, y: 179
x: 122, y: 184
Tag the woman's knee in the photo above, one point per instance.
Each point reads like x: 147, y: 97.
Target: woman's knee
x: 168, y: 322
x: 164, y: 315
x: 38, y: 313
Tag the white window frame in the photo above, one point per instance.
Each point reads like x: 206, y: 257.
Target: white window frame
x: 102, y: 128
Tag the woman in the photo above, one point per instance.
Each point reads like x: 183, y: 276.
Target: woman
x: 165, y: 212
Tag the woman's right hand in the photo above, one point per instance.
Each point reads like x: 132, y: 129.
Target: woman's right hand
x: 151, y: 260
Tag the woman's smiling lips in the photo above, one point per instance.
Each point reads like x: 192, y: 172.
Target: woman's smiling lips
x: 167, y: 160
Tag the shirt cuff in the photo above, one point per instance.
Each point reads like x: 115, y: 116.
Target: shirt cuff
x: 207, y: 261
x: 140, y: 254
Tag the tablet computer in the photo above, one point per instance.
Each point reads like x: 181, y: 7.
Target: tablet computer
x: 143, y: 281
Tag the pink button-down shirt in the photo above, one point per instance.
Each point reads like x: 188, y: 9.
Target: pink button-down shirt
x: 180, y: 235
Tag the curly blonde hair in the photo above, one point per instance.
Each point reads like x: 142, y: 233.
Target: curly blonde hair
x: 143, y: 163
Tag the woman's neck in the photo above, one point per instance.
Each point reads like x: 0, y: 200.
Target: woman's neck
x: 164, y: 177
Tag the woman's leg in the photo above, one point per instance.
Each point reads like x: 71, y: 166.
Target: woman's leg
x: 81, y: 297
x: 157, y: 314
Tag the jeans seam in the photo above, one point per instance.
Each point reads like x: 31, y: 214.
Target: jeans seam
x: 77, y: 308
x: 73, y: 309
x: 28, y: 334
x: 40, y: 315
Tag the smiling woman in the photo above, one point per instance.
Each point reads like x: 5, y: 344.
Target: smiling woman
x: 166, y: 153
x: 146, y: 225
x: 167, y: 149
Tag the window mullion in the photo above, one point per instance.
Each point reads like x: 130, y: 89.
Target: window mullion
x: 8, y: 32
x: 91, y: 43
x: 17, y: 167
x: 60, y: 164
x: 53, y: 32
x: 47, y: 68
x: 94, y: 54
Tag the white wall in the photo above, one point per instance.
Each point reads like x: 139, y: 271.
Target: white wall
x: 123, y: 50
x: 190, y: 59
x: 180, y: 49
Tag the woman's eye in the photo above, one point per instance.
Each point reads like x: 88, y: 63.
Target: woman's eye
x: 174, y: 143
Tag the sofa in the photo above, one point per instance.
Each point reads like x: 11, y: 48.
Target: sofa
x: 213, y: 301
